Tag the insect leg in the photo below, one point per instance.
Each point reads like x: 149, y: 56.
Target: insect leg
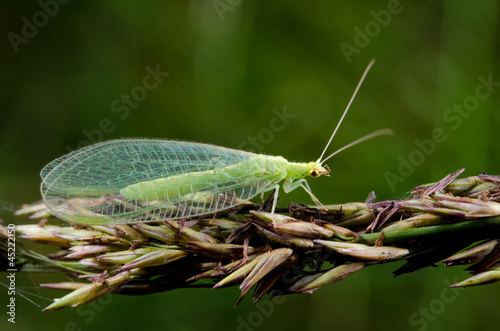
x: 276, y: 188
x: 290, y: 186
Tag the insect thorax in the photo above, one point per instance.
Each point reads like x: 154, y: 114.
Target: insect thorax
x: 296, y: 170
x: 275, y: 166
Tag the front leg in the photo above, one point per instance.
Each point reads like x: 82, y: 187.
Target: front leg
x: 289, y: 186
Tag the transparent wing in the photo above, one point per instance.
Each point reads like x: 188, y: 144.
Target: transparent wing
x: 178, y: 179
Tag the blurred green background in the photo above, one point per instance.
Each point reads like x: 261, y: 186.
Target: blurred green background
x: 233, y: 66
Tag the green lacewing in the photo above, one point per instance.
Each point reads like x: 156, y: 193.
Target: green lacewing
x: 143, y: 180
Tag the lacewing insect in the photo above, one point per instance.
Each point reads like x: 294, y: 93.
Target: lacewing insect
x: 142, y: 180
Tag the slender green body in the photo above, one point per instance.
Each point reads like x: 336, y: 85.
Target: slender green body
x: 266, y: 168
x: 141, y: 180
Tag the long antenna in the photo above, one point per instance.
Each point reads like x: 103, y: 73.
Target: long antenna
x: 360, y: 140
x: 347, y: 108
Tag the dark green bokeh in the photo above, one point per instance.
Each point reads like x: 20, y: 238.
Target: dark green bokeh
x: 227, y: 72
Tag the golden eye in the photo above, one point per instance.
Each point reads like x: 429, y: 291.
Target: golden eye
x: 314, y: 172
